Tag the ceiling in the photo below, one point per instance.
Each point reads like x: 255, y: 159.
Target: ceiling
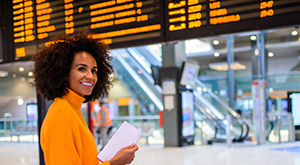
x: 13, y: 68
x: 279, y: 41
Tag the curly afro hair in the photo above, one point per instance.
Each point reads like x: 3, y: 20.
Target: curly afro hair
x: 52, y: 65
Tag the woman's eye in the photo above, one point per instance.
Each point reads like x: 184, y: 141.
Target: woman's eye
x: 81, y: 69
x: 94, y: 71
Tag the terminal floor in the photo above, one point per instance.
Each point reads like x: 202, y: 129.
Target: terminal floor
x: 26, y: 153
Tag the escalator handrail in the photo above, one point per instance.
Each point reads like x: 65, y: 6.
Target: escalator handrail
x: 240, y: 138
x: 271, y: 128
x: 235, y: 114
x: 151, y: 57
x: 216, y: 118
x: 154, y: 98
x: 140, y: 65
x: 133, y: 53
x: 215, y: 128
x: 247, y: 131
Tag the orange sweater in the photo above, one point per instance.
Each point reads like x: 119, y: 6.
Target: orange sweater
x: 65, y: 136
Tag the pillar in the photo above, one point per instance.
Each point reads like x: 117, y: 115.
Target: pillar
x: 173, y: 55
x: 230, y: 72
x: 131, y: 109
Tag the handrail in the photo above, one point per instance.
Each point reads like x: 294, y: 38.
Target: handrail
x: 14, y: 119
x: 271, y: 128
x: 214, y: 115
x: 154, y: 98
x: 137, y: 58
x: 135, y: 117
x: 209, y: 119
x: 247, y: 132
x: 215, y: 128
x: 240, y: 138
x: 7, y: 115
x: 218, y: 99
x: 232, y: 112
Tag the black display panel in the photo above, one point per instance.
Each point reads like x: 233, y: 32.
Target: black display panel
x: 128, y: 23
x: 187, y: 19
x: 122, y: 23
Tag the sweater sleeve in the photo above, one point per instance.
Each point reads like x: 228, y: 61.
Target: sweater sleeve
x: 59, y: 142
x: 106, y: 163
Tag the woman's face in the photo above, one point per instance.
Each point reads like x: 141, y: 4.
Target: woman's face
x: 83, y: 74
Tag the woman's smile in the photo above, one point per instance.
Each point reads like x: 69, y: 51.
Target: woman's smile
x: 83, y: 70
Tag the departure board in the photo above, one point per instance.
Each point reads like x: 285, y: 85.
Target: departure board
x: 127, y: 23
x: 187, y: 19
x: 122, y: 23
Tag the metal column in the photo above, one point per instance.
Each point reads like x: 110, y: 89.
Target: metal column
x: 230, y: 73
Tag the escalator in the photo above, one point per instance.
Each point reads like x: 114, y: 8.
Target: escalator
x: 150, y: 57
x: 137, y: 80
x: 132, y: 67
x: 208, y: 104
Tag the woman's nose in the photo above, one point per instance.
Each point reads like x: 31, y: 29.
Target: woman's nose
x: 89, y: 75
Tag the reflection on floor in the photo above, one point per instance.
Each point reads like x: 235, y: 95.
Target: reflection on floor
x: 26, y: 153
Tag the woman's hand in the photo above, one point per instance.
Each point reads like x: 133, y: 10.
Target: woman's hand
x: 125, y: 155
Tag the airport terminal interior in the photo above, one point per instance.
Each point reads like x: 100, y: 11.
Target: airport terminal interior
x: 235, y: 96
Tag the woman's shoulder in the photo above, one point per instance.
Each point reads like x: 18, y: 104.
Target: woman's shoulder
x: 60, y: 106
x: 58, y: 102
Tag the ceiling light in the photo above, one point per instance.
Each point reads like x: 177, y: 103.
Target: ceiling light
x: 294, y: 33
x: 20, y: 101
x: 30, y: 74
x: 21, y: 69
x: 216, y: 42
x: 270, y: 54
x: 253, y: 38
x: 14, y: 75
x: 216, y: 54
x: 223, y: 66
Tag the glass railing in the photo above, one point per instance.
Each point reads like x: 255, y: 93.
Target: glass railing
x: 277, y: 86
x: 144, y: 53
x: 206, y: 127
x: 18, y: 129
x: 216, y: 110
x: 148, y: 125
x: 278, y: 81
x: 284, y: 81
x: 281, y: 127
x: 137, y: 82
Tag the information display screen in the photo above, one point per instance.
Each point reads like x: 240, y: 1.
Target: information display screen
x: 294, y: 107
x: 187, y: 19
x: 122, y: 23
x: 188, y: 127
x: 32, y: 113
x: 189, y: 73
x: 127, y: 23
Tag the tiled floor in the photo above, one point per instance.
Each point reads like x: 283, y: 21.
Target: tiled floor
x: 26, y: 153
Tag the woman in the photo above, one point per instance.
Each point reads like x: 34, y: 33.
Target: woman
x: 72, y: 70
